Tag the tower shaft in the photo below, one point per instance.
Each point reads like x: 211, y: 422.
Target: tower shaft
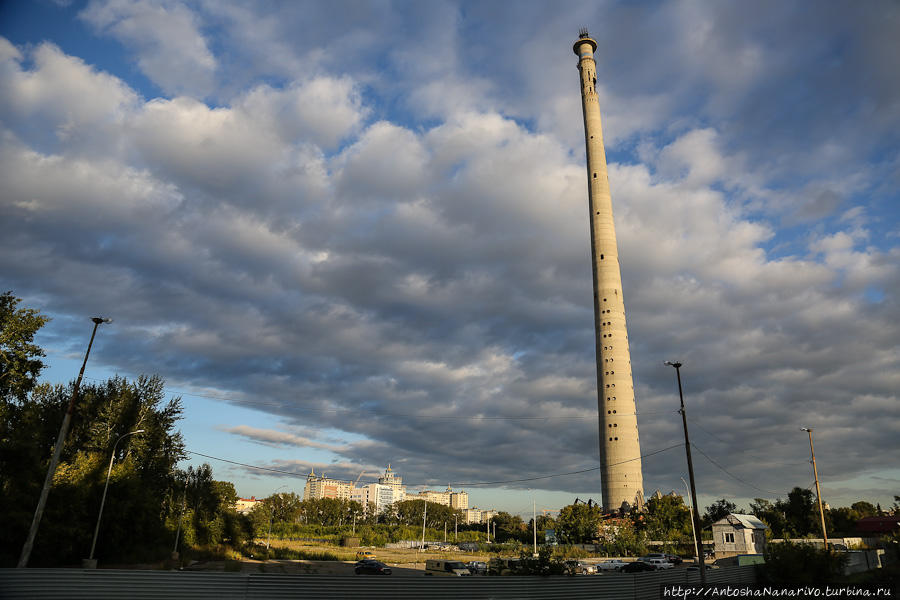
x: 620, y: 450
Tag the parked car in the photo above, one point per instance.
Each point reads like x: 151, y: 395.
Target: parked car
x: 611, y: 565
x: 477, y: 567
x: 364, y: 554
x: 371, y: 566
x: 674, y: 559
x: 638, y: 566
x: 453, y: 568
x: 660, y: 563
x: 579, y: 567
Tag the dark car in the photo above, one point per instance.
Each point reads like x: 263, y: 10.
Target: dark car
x: 637, y: 566
x: 674, y: 559
x: 371, y: 567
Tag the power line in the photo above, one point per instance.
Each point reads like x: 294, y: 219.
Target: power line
x: 729, y: 473
x: 789, y: 464
x: 467, y: 484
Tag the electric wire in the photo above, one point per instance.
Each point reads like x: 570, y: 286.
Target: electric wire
x: 750, y: 454
x: 729, y: 473
x: 465, y: 484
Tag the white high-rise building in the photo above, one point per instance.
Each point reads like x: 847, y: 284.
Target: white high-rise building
x: 377, y: 496
x: 323, y: 487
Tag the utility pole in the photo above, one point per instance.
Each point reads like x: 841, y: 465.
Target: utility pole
x: 534, y: 520
x: 424, y: 517
x: 57, y: 451
x: 818, y: 493
x: 181, y: 516
x: 687, y: 447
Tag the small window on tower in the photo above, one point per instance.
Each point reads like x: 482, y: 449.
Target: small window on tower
x: 595, y: 176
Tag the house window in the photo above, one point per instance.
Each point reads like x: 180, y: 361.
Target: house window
x: 729, y: 538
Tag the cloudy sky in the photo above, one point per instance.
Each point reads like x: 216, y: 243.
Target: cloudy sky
x: 355, y: 233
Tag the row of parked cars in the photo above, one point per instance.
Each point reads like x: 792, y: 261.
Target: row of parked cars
x: 368, y: 565
x: 656, y: 561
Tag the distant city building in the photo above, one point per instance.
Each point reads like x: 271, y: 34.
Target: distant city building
x: 392, y: 479
x: 459, y: 500
x: 471, y: 515
x: 323, y: 487
x: 245, y: 505
x: 377, y: 496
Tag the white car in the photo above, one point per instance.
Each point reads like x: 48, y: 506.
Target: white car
x: 611, y: 565
x: 659, y: 563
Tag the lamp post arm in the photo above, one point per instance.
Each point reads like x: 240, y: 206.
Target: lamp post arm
x: 112, y: 457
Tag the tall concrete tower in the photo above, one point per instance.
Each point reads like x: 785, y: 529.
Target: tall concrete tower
x: 620, y: 449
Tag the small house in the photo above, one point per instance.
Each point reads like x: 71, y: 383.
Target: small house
x: 739, y: 534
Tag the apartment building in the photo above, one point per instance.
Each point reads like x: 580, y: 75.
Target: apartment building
x: 322, y: 487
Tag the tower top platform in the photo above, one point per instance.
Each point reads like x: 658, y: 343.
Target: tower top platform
x: 584, y: 38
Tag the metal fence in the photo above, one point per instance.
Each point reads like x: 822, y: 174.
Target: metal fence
x: 76, y: 584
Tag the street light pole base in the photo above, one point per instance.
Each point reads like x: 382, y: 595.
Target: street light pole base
x: 88, y: 563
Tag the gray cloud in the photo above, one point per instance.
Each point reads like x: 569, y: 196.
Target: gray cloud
x: 423, y: 280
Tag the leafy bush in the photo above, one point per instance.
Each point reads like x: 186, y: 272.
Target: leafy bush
x: 569, y: 552
x: 801, y: 563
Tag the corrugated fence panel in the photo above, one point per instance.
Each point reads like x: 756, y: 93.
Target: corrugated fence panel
x: 77, y: 584
x: 53, y: 584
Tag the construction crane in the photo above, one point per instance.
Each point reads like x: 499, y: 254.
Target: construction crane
x: 358, y: 478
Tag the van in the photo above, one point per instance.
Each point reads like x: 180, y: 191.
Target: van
x: 448, y: 568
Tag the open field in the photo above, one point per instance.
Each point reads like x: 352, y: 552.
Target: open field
x: 391, y: 556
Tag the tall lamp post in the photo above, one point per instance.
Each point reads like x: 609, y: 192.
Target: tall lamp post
x: 57, y: 451
x: 105, y: 487
x: 818, y: 493
x: 687, y: 447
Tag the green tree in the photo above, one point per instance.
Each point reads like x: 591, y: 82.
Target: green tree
x: 621, y: 537
x: 864, y: 509
x: 139, y: 498
x: 668, y: 519
x: 769, y: 514
x: 578, y: 523
x: 509, y: 527
x: 410, y: 512
x: 801, y: 564
x: 718, y: 510
x: 799, y: 512
x: 20, y: 357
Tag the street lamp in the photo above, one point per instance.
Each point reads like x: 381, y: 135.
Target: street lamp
x: 105, y: 487
x: 57, y: 451
x: 687, y: 447
x: 818, y: 493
